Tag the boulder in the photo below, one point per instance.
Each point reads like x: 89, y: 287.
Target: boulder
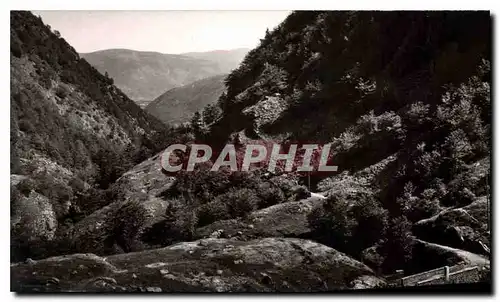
x: 287, y: 219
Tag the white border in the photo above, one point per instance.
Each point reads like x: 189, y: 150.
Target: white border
x: 253, y: 5
x: 204, y: 5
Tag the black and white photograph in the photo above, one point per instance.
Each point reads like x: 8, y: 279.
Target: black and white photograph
x: 251, y: 151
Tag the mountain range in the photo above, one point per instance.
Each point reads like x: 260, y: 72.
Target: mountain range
x: 144, y: 76
x: 179, y: 104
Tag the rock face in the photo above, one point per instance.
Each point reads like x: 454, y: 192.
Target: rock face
x: 288, y: 219
x: 208, y: 265
x: 428, y: 256
x: 140, y: 184
x: 465, y: 228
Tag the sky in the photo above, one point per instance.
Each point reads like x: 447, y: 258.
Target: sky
x: 170, y: 32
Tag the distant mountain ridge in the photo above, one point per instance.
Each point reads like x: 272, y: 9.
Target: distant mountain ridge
x: 145, y: 75
x: 179, y: 104
x: 227, y: 59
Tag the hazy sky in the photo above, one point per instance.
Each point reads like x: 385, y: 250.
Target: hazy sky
x: 162, y: 31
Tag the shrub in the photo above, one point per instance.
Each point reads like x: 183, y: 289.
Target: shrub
x: 25, y: 187
x: 178, y: 224
x: 15, y: 48
x: 301, y: 192
x: 397, y: 246
x: 369, y: 123
x: 212, y: 211
x: 91, y: 200
x: 243, y: 179
x: 125, y: 226
x: 211, y: 113
x: 270, y: 195
x: 417, y: 114
x: 202, y: 184
x: 62, y: 91
x: 286, y: 184
x: 371, y: 221
x: 422, y: 208
x: 331, y: 225
x: 459, y: 197
x: 240, y: 202
x: 349, y: 222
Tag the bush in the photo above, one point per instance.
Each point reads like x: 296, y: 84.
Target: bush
x: 421, y: 208
x: 286, y: 184
x: 331, y: 225
x: 270, y: 195
x: 178, y: 224
x: 125, y: 226
x: 25, y: 187
x: 242, y: 179
x: 76, y: 184
x: 62, y: 91
x: 58, y: 193
x: 93, y: 199
x: 301, y: 192
x: 202, y: 184
x: 349, y: 223
x: 371, y: 221
x: 397, y: 247
x: 212, y: 211
x: 240, y: 202
x: 15, y: 48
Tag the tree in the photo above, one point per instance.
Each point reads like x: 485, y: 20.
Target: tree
x: 398, y: 245
x: 109, y: 80
x: 126, y: 225
x: 211, y: 113
x: 198, y: 125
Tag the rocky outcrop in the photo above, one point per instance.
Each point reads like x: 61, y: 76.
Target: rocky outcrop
x: 145, y: 178
x: 208, y: 265
x: 287, y: 219
x: 465, y: 228
x: 34, y: 218
x: 141, y: 184
x: 427, y: 256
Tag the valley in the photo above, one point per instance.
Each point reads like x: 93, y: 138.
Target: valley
x: 402, y: 99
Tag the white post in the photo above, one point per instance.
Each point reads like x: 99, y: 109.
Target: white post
x: 309, y: 181
x: 447, y: 273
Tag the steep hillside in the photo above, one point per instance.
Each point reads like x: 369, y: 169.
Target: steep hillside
x: 72, y: 135
x: 179, y: 104
x: 404, y: 99
x: 227, y: 59
x: 143, y: 76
